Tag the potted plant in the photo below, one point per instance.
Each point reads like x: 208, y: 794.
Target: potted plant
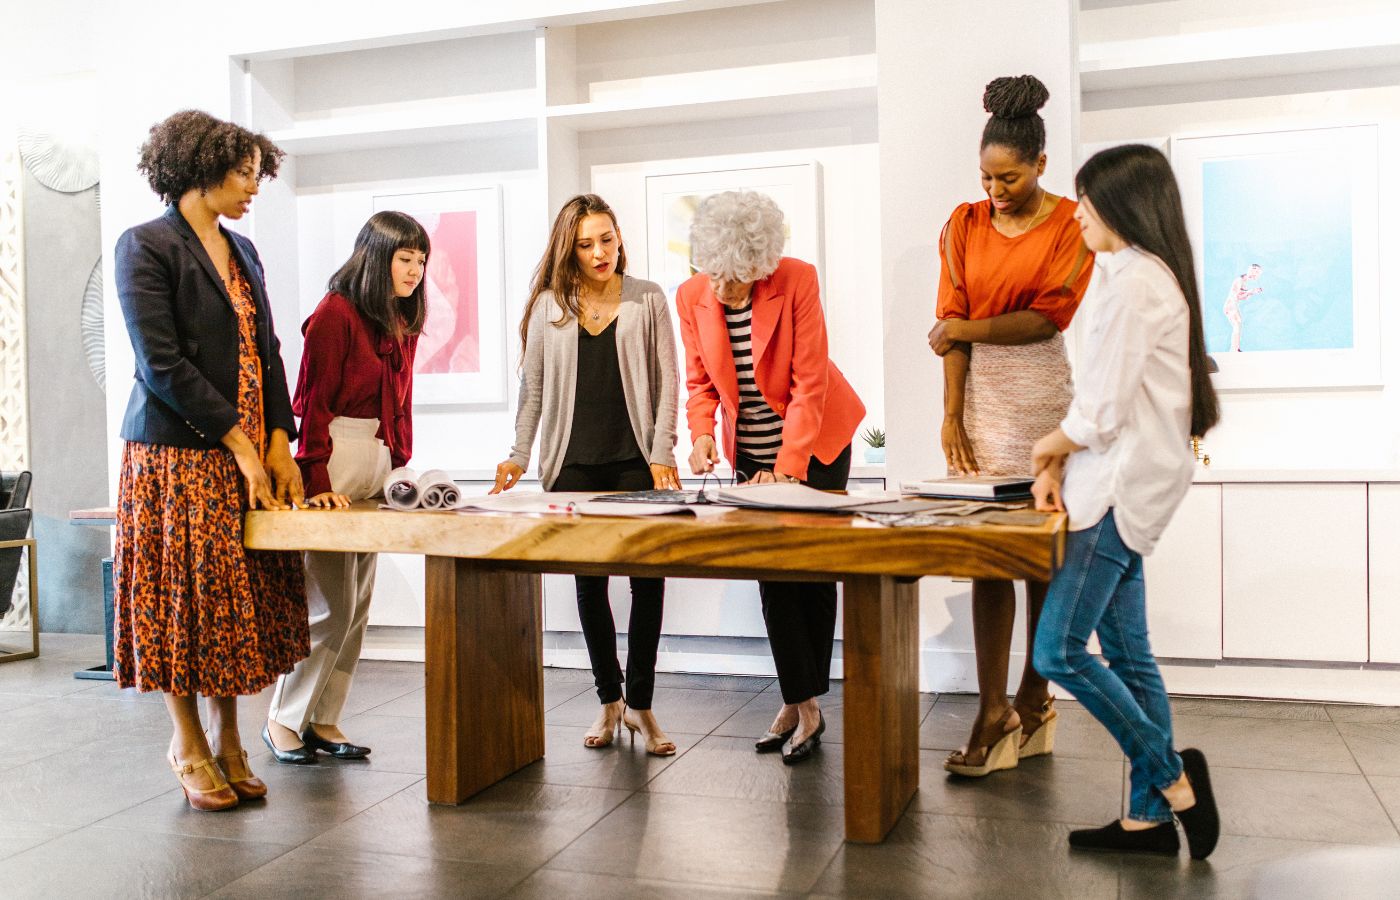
x: 875, y: 451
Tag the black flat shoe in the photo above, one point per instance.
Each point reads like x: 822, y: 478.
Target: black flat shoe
x: 338, y: 749
x: 773, y: 740
x: 1116, y: 839
x: 298, y: 757
x: 799, y: 752
x: 1202, y: 821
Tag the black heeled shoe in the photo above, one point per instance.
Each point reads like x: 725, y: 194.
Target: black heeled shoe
x: 773, y: 741
x: 338, y: 749
x: 298, y: 757
x: 1114, y: 838
x: 798, y: 752
x: 1201, y: 821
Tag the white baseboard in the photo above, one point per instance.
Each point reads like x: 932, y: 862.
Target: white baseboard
x: 954, y: 671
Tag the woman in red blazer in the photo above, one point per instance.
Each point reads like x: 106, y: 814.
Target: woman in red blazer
x: 755, y: 347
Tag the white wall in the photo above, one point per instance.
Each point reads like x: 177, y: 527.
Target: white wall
x: 1330, y: 429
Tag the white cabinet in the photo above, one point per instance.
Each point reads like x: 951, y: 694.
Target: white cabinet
x: 1294, y: 561
x: 1183, y: 580
x: 1384, y: 539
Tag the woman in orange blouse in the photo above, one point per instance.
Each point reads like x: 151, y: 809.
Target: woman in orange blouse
x: 1014, y: 271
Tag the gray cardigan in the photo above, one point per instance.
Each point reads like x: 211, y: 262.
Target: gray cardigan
x: 646, y: 354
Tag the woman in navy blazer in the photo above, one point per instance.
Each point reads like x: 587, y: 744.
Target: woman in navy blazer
x: 207, y: 433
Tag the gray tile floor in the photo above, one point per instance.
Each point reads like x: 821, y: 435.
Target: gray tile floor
x: 88, y: 809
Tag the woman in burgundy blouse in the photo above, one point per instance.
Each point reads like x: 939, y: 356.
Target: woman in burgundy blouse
x: 355, y: 399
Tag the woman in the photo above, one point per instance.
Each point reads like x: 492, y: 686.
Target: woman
x: 207, y: 433
x: 1142, y: 390
x: 355, y: 399
x: 1014, y: 270
x: 755, y: 346
x: 1240, y: 291
x: 599, y: 370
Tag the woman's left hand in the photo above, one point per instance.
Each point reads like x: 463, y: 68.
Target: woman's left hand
x: 1051, y: 450
x: 768, y: 476
x: 284, y: 472
x: 1046, y: 490
x: 940, y: 337
x: 328, y: 500
x: 665, y: 478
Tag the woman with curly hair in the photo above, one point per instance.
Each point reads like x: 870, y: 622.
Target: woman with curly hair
x: 598, y: 371
x: 355, y: 399
x: 207, y: 431
x: 1014, y: 271
x: 755, y: 348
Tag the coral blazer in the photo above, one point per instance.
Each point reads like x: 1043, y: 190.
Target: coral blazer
x: 820, y: 410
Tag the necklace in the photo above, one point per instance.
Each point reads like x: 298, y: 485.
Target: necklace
x: 1044, y: 195
x: 593, y: 312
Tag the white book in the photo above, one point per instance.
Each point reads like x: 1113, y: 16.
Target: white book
x: 979, y: 487
x: 786, y: 495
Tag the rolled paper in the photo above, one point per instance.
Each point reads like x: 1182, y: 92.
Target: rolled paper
x: 437, y: 490
x: 401, y: 489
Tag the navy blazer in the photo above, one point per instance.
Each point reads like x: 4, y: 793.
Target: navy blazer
x: 185, y: 333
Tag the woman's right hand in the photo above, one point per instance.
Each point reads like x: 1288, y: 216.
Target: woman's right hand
x: 704, y: 455
x: 507, y: 474
x: 328, y: 500
x: 957, y: 449
x: 245, y: 456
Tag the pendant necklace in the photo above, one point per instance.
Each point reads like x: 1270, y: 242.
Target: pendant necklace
x: 1045, y: 195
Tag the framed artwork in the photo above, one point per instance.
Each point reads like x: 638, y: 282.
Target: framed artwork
x: 1285, y: 227
x: 672, y: 201
x: 461, y: 357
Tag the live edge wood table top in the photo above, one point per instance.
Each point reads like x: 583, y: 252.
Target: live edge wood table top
x: 484, y: 639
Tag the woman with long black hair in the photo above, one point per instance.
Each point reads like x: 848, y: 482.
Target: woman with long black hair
x: 355, y: 399
x: 1120, y: 464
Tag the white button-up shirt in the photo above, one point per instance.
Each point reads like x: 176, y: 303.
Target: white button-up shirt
x: 1132, y: 401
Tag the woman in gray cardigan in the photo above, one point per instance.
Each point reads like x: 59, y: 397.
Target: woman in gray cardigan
x: 598, y: 371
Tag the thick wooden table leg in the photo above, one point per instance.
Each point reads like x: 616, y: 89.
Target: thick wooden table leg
x: 881, y: 659
x: 484, y: 675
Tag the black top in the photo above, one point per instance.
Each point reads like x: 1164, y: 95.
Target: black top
x: 602, y: 429
x: 185, y: 333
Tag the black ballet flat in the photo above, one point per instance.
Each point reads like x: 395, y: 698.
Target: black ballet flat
x: 798, y: 752
x: 1202, y: 821
x: 773, y: 740
x: 1115, y: 838
x: 338, y: 749
x: 298, y: 757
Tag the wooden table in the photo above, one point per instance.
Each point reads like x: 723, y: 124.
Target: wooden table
x: 484, y: 638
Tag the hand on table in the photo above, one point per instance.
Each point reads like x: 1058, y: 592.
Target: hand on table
x: 507, y: 474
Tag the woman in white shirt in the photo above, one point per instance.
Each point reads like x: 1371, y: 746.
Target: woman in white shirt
x: 1119, y: 464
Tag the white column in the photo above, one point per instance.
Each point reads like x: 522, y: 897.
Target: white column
x: 935, y: 58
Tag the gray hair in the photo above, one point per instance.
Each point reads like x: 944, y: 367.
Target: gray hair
x: 737, y: 235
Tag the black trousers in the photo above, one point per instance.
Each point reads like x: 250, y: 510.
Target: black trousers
x: 594, y: 610
x: 800, y: 616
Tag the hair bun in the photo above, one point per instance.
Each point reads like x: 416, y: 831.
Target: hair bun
x: 1014, y: 97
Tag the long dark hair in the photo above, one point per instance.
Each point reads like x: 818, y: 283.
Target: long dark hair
x: 1134, y: 193
x: 366, y: 278
x: 558, y: 271
x: 1014, y: 102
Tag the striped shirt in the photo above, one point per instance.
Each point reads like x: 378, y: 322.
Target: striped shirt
x: 759, y: 429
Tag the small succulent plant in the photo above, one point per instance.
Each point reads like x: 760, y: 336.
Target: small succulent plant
x: 875, y: 437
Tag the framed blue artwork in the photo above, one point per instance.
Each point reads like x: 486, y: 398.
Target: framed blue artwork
x: 1284, y: 225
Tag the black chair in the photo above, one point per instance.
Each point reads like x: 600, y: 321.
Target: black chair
x: 15, y: 520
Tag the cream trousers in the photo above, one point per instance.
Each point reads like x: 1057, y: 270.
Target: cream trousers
x: 338, y: 590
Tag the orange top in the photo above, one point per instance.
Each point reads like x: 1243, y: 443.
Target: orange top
x: 986, y: 273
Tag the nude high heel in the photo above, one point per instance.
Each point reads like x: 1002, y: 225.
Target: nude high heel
x: 656, y: 746
x: 601, y: 734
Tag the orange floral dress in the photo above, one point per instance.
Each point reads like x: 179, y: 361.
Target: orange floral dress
x: 196, y: 613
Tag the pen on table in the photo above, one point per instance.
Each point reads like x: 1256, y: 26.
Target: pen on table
x: 567, y: 507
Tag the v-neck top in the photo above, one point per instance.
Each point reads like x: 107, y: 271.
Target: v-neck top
x: 986, y: 273
x: 602, y: 428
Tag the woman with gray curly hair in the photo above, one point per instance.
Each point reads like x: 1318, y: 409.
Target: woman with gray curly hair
x: 755, y: 348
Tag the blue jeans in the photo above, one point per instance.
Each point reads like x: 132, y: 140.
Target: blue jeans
x: 1100, y: 589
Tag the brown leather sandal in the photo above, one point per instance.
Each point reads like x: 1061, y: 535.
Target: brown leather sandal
x: 245, y: 784
x: 1038, y: 729
x: 210, y: 799
x: 996, y: 749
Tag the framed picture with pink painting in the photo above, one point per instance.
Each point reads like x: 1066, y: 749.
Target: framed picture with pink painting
x: 461, y: 357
